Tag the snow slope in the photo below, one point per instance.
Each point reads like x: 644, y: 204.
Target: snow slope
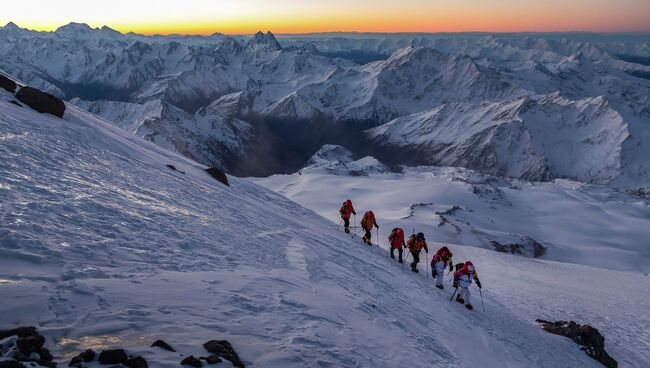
x: 577, y: 223
x: 102, y: 245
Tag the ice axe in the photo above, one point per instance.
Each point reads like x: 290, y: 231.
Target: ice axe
x: 481, y: 293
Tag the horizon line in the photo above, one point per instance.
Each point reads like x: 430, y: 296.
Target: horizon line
x: 210, y: 33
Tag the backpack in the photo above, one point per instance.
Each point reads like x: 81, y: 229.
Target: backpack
x: 395, y: 235
x: 368, y: 220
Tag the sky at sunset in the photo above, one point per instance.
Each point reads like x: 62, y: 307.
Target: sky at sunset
x: 303, y: 16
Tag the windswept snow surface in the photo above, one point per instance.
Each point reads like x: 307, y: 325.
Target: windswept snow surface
x: 102, y: 245
x: 578, y: 223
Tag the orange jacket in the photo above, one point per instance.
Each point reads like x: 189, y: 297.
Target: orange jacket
x: 416, y: 245
x: 368, y: 221
x: 347, y: 210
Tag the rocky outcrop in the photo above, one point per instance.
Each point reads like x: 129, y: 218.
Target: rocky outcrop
x: 84, y: 357
x: 28, y: 347
x: 219, y: 175
x: 116, y: 356
x: 7, y: 84
x: 592, y: 342
x: 41, y: 101
x: 224, y: 349
x: 192, y: 362
x: 163, y: 345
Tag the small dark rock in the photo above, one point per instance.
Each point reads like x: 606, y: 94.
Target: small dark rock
x: 86, y: 356
x: 11, y: 364
x: 175, y: 169
x: 192, y: 362
x: 137, y: 362
x: 163, y: 345
x: 41, y: 101
x: 7, y: 84
x: 219, y: 175
x: 30, y: 344
x: 212, y: 359
x: 117, y: 356
x: 225, y: 350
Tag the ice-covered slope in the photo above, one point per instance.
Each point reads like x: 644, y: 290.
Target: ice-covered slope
x: 103, y: 245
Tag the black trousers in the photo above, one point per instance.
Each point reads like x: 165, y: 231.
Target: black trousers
x: 416, y: 258
x: 346, y: 222
x: 368, y: 234
x: 392, y: 254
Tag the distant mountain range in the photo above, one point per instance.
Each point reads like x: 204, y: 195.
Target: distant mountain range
x: 529, y: 106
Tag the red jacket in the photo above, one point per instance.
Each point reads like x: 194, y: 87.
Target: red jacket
x: 396, y: 238
x: 443, y: 254
x: 347, y: 210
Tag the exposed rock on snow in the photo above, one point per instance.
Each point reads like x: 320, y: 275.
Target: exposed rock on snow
x: 339, y: 160
x: 192, y: 362
x: 115, y: 356
x: 41, y: 101
x: 86, y: 356
x: 528, y: 247
x: 7, y: 84
x: 219, y: 175
x: 224, y: 349
x: 24, y: 345
x: 163, y: 345
x: 589, y: 338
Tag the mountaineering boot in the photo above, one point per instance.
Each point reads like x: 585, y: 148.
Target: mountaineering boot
x: 440, y: 287
x: 469, y: 306
x: 347, y: 230
x: 460, y: 300
x: 392, y: 256
x: 400, y: 261
x: 414, y: 269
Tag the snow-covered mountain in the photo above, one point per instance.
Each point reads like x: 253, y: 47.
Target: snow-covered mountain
x: 103, y: 245
x: 534, y: 138
x: 264, y: 85
x: 339, y: 160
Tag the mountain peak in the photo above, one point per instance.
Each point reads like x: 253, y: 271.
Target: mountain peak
x: 110, y: 31
x: 74, y: 28
x: 11, y: 25
x: 265, y: 39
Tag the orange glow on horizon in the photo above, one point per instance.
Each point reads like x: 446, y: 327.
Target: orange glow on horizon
x: 293, y: 16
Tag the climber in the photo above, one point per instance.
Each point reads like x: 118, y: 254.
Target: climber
x: 396, y: 241
x: 367, y: 222
x: 415, y: 245
x: 345, y: 211
x: 439, y: 263
x: 463, y: 279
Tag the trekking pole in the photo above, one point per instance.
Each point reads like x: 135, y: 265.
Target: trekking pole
x: 481, y: 293
x: 452, y: 295
x: 378, y: 237
x: 405, y: 259
x: 427, y: 265
x: 339, y: 225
